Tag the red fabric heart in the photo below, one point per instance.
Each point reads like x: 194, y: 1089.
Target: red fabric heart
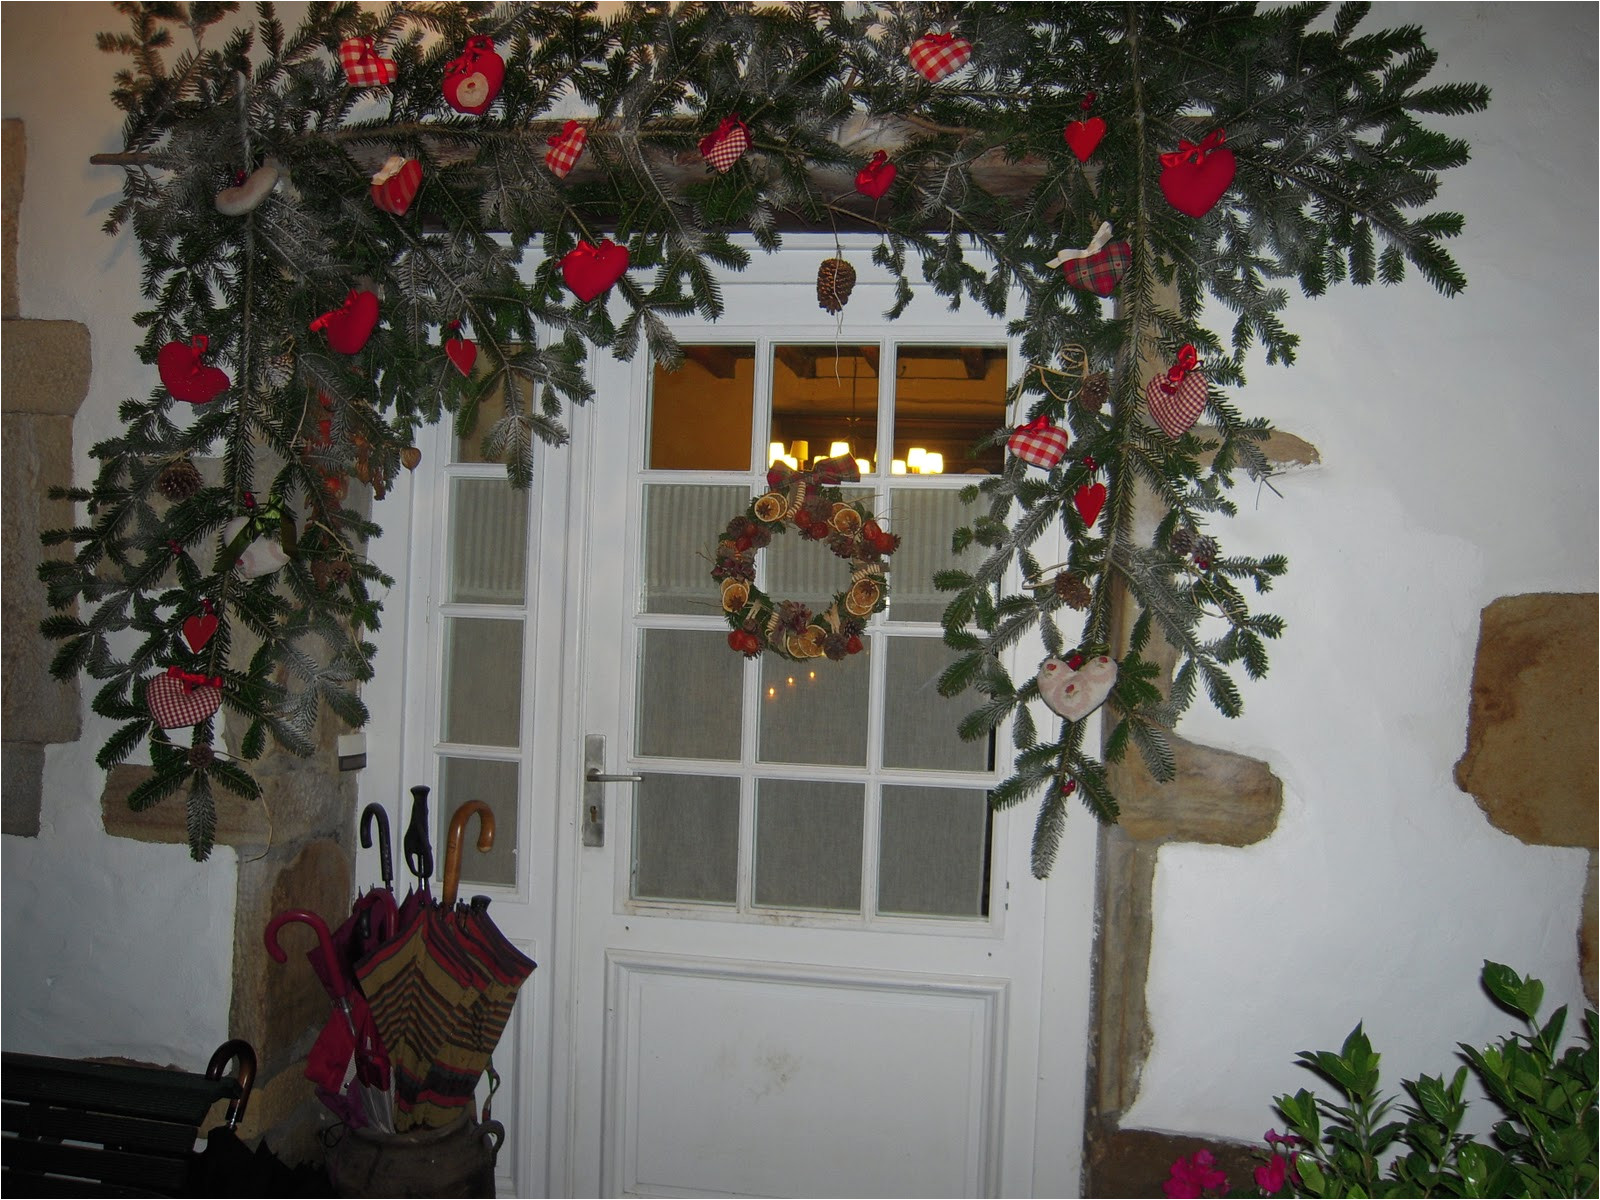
x: 362, y: 66
x: 472, y: 81
x: 463, y: 353
x: 935, y: 55
x: 1175, y: 407
x: 394, y: 187
x: 347, y: 328
x: 590, y: 270
x: 726, y: 144
x: 179, y: 699
x: 197, y: 630
x: 1084, y: 136
x: 1039, y: 443
x: 565, y: 147
x: 1193, y: 178
x: 877, y: 177
x: 182, y: 374
x: 1101, y: 271
x: 1089, y: 500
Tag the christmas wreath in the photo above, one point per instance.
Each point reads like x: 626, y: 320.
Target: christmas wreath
x: 814, y: 504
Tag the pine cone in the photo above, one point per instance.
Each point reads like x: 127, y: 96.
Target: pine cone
x: 201, y: 756
x: 179, y: 480
x: 835, y: 280
x: 1205, y: 550
x: 1094, y: 393
x: 1073, y: 591
x: 1181, y: 542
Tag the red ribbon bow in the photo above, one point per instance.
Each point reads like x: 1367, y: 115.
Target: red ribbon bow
x: 198, y: 344
x: 729, y: 123
x: 567, y: 130
x: 1188, y: 360
x: 327, y: 318
x: 1187, y: 151
x: 478, y: 45
x: 1038, y: 425
x: 938, y: 39
x: 191, y: 681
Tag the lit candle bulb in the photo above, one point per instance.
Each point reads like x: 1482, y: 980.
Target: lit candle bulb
x: 915, y: 457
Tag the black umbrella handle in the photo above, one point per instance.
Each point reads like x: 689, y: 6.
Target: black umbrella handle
x: 375, y: 812
x: 419, y: 851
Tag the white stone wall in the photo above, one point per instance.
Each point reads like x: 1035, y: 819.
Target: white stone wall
x: 1458, y: 442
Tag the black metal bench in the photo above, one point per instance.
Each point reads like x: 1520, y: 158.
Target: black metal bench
x: 74, y: 1128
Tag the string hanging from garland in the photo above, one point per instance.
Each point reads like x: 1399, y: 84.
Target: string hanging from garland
x: 323, y: 211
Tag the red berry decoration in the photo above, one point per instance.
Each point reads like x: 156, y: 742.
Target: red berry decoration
x: 1193, y: 178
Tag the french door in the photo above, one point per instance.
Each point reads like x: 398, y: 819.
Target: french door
x: 785, y: 946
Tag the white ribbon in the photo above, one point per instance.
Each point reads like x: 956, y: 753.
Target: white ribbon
x: 1101, y: 237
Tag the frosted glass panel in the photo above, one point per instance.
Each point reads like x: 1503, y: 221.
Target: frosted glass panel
x: 488, y: 542
x: 925, y: 518
x: 495, y: 783
x: 701, y: 414
x: 806, y: 571
x: 808, y: 845
x: 920, y: 727
x: 689, y: 685
x: 686, y: 838
x: 814, y: 711
x: 934, y: 852
x: 482, y: 682
x: 682, y: 523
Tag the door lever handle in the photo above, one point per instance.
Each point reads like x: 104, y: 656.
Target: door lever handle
x: 593, y: 819
x: 593, y: 775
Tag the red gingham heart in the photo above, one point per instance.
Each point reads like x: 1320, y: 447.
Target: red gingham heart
x: 395, y: 186
x: 1102, y: 271
x: 362, y: 66
x: 565, y: 147
x: 1039, y: 443
x: 727, y: 145
x: 176, y: 700
x: 935, y: 55
x: 1176, y: 410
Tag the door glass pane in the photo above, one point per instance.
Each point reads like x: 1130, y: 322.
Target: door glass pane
x: 482, y: 682
x: 689, y: 683
x: 701, y: 415
x: 808, y: 844
x: 924, y: 519
x: 686, y: 839
x: 934, y: 852
x: 921, y: 727
x: 495, y: 783
x: 682, y: 523
x: 946, y: 398
x: 804, y: 570
x: 822, y: 395
x: 814, y: 711
x: 488, y: 542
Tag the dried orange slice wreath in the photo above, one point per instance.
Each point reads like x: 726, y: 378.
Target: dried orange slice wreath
x: 812, y: 502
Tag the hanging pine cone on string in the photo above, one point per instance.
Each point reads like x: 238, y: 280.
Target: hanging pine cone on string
x: 178, y: 480
x: 1073, y: 591
x: 835, y: 280
x: 1095, y: 391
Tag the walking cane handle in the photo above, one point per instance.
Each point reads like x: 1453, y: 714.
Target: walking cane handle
x: 452, y: 847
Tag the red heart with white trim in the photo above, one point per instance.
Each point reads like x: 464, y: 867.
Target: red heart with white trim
x: 348, y: 327
x: 1084, y: 136
x: 197, y: 630
x: 1074, y: 694
x: 1175, y: 407
x: 177, y: 699
x: 178, y: 364
x: 472, y: 81
x: 1089, y: 500
x: 463, y: 353
x: 590, y: 270
x: 396, y: 184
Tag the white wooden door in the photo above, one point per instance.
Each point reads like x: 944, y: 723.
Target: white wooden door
x: 803, y: 959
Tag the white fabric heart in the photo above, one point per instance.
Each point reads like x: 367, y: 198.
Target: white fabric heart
x: 1074, y: 694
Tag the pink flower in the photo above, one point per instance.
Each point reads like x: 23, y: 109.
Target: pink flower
x: 1194, y: 1176
x: 1271, y: 1177
x: 1275, y: 1138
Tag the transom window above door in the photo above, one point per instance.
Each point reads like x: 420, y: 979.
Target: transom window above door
x: 818, y: 790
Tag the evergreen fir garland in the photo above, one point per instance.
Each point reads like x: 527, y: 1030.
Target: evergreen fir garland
x: 1335, y: 174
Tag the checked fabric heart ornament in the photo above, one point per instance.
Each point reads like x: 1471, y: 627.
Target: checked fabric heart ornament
x: 1193, y: 178
x: 472, y: 81
x: 565, y: 147
x: 936, y: 55
x: 590, y: 270
x: 1039, y: 443
x: 362, y: 66
x: 1178, y: 397
x: 1073, y: 689
x: 185, y: 377
x: 1089, y: 500
x: 726, y: 144
x: 179, y: 698
x: 395, y: 185
x: 1099, y: 267
x: 197, y: 630
x: 348, y: 327
x: 877, y: 177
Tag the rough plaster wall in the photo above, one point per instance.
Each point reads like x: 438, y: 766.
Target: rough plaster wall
x: 110, y: 946
x: 1384, y: 887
